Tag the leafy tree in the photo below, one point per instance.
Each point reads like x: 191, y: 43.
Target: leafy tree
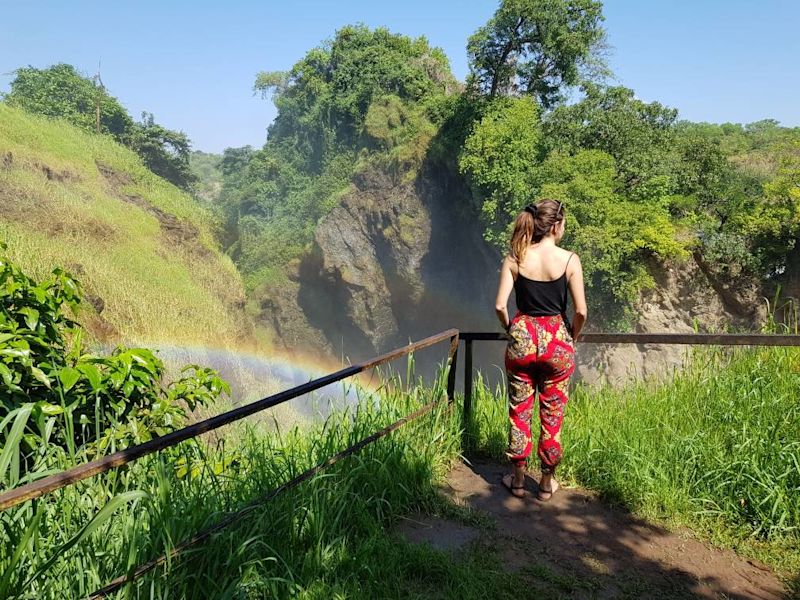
x: 537, y: 47
x: 637, y: 134
x: 61, y: 92
x: 324, y: 99
x: 164, y: 152
x: 500, y: 159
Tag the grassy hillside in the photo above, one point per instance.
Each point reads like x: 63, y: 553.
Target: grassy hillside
x: 143, y: 249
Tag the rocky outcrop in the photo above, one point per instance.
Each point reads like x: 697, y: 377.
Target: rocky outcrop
x: 687, y: 297
x: 394, y: 261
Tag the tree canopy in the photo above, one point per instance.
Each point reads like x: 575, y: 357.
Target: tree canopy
x: 537, y: 47
x: 61, y: 92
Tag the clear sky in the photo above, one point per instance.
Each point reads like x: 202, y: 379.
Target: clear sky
x: 192, y: 64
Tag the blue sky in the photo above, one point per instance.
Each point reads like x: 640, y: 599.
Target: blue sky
x: 192, y: 64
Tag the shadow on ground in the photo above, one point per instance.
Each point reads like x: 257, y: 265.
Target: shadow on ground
x: 586, y: 549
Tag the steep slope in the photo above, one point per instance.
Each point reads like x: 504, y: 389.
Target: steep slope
x: 143, y: 249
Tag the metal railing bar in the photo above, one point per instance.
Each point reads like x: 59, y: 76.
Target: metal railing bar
x: 78, y: 473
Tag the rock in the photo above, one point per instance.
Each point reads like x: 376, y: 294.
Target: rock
x: 685, y: 297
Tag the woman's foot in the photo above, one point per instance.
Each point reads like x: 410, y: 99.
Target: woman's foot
x: 515, y: 486
x: 547, y: 487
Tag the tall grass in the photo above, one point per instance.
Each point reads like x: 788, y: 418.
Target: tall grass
x: 325, y: 539
x: 715, y: 448
x: 153, y: 288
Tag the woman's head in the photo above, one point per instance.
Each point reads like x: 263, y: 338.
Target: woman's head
x: 536, y: 222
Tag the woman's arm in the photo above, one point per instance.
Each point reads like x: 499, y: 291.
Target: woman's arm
x: 575, y: 276
x: 504, y: 291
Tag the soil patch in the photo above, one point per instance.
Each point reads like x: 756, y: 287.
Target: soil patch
x: 438, y: 533
x: 593, y: 550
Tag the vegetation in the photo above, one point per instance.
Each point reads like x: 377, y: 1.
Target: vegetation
x: 538, y: 47
x: 70, y: 543
x: 61, y: 92
x: 145, y: 252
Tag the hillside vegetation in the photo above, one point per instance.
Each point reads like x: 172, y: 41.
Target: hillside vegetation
x: 145, y: 252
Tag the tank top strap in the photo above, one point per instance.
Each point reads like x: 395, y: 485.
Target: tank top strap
x: 567, y: 265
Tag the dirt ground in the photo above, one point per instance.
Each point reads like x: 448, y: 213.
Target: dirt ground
x: 583, y: 548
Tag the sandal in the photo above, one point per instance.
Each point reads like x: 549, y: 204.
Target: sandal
x: 543, y: 495
x: 508, y: 483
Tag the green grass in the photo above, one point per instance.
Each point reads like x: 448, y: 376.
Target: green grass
x: 154, y: 288
x: 331, y: 537
x: 716, y: 448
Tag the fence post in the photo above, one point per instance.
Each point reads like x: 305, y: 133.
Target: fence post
x: 451, y: 373
x: 467, y: 384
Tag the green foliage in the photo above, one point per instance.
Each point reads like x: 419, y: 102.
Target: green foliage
x: 165, y: 152
x: 613, y: 234
x: 537, y: 47
x: 500, y: 158
x: 612, y: 229
x: 637, y: 134
x: 61, y: 92
x: 72, y: 398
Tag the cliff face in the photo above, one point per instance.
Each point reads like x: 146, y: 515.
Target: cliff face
x: 394, y: 261
x: 687, y: 296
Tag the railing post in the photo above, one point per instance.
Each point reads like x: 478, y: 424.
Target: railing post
x: 467, y: 383
x: 451, y: 373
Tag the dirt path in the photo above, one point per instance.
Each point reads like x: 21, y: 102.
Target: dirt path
x: 590, y: 550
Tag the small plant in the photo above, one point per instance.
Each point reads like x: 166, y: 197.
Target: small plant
x: 55, y: 394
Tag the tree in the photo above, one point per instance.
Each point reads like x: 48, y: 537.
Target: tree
x: 500, y: 159
x: 637, y: 134
x: 538, y: 47
x: 61, y: 92
x: 164, y: 151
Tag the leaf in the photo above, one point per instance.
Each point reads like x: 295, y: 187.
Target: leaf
x: 31, y: 316
x: 49, y: 409
x: 6, y: 375
x: 103, y: 515
x: 69, y: 377
x: 92, y: 374
x: 18, y: 551
x: 40, y: 376
x: 12, y: 441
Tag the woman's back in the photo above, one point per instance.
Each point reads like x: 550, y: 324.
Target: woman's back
x: 540, y: 283
x: 544, y: 262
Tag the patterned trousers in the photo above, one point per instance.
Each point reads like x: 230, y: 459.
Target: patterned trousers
x: 540, y: 357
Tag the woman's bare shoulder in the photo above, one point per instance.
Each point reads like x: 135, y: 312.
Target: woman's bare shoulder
x: 510, y: 262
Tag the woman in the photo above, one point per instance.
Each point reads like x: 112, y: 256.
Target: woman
x: 540, y: 355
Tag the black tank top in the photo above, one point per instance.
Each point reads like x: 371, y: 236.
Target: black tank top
x: 543, y: 298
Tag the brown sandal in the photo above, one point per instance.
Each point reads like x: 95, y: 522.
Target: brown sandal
x: 509, y: 485
x: 543, y: 495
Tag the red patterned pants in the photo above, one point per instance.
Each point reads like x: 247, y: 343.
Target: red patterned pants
x: 540, y: 357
